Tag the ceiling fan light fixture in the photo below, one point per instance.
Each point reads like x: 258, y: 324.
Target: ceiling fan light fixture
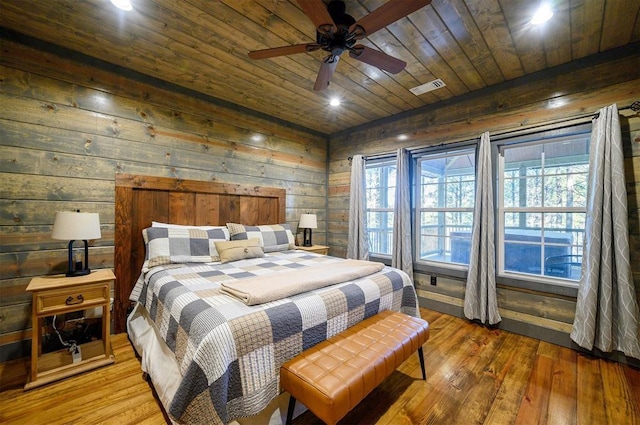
x: 334, y: 102
x: 542, y: 15
x: 122, y: 4
x: 337, y: 32
x: 338, y: 12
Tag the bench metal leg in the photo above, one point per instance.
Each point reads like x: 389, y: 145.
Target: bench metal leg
x: 421, y: 355
x: 292, y: 405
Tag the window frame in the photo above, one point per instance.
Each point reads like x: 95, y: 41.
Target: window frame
x: 434, y: 266
x: 373, y: 163
x: 552, y: 285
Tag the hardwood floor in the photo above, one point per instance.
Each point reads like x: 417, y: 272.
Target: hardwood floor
x: 475, y: 375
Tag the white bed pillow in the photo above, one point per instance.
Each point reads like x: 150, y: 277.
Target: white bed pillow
x: 187, y: 226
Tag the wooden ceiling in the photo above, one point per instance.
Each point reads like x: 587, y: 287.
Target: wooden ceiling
x: 202, y: 45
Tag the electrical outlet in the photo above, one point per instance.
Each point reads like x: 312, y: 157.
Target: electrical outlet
x: 76, y: 354
x: 433, y: 280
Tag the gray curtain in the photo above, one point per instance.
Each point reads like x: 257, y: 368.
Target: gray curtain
x: 402, y: 255
x: 480, y: 300
x: 358, y: 244
x: 607, y: 310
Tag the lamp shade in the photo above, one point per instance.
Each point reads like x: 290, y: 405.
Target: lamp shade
x: 308, y: 221
x: 70, y: 226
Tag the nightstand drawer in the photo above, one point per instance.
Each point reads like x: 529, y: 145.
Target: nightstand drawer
x: 60, y: 301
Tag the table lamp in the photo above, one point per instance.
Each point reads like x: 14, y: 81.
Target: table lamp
x: 308, y: 222
x: 72, y: 226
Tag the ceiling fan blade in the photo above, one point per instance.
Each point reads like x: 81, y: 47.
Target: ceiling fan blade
x: 317, y: 11
x: 282, y: 51
x: 326, y: 71
x: 377, y: 59
x: 385, y: 15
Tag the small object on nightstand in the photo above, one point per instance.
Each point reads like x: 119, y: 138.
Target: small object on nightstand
x: 308, y: 222
x: 72, y: 226
x: 58, y: 295
x: 318, y: 249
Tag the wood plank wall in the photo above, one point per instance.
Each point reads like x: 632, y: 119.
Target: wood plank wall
x: 541, y: 101
x: 67, y: 126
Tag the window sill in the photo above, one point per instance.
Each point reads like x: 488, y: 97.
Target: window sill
x: 384, y: 259
x: 456, y: 272
x: 561, y: 288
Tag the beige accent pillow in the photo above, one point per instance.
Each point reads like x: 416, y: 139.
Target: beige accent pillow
x: 239, y: 250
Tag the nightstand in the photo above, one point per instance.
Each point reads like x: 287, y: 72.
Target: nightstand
x: 318, y: 249
x: 54, y: 295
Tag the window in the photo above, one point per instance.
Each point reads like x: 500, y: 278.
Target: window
x: 445, y: 196
x: 380, y: 200
x: 542, y: 207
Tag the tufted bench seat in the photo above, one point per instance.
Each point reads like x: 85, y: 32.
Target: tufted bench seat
x: 332, y: 377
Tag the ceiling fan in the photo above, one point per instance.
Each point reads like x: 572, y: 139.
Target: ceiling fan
x: 337, y: 32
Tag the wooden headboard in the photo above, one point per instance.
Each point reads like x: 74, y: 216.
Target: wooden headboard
x: 143, y: 199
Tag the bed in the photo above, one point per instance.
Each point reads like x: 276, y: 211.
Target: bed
x: 212, y: 347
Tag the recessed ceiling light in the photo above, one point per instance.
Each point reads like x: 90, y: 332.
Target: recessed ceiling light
x: 335, y: 102
x: 557, y: 102
x: 403, y: 137
x: 122, y: 4
x: 542, y: 15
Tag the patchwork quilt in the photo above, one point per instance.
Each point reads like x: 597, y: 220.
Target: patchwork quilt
x: 229, y: 353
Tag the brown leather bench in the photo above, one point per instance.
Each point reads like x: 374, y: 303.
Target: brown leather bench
x: 332, y: 377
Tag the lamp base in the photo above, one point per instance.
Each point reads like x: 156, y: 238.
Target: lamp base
x: 80, y: 269
x: 306, y: 237
x: 72, y: 273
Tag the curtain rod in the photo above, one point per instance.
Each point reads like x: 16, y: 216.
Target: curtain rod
x: 577, y: 119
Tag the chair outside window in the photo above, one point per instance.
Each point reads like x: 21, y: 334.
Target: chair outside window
x: 567, y: 266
